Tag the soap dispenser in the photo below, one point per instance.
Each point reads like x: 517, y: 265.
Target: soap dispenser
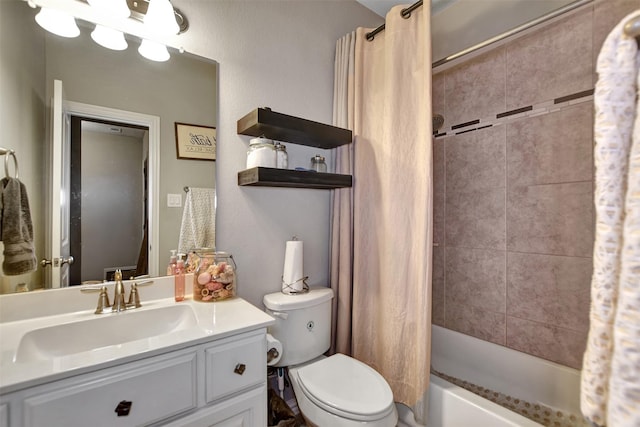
x: 179, y: 278
x: 171, y: 268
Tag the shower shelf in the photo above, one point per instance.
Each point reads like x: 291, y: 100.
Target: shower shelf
x: 282, y: 127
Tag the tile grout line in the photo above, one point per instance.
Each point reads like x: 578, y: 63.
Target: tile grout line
x: 533, y: 110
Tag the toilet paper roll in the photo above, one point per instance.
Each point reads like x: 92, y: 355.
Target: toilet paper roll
x: 292, y: 275
x: 273, y: 344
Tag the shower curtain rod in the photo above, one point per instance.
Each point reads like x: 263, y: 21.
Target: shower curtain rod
x: 516, y: 30
x: 406, y: 13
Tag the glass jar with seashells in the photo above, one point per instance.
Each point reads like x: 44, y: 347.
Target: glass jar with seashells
x: 214, y: 275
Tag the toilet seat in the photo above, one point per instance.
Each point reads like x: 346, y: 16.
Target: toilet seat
x: 347, y: 388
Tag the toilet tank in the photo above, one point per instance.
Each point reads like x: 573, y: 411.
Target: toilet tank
x: 303, y: 324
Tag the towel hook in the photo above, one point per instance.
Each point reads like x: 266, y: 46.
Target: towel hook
x: 6, y: 163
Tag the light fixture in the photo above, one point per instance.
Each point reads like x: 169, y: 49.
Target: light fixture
x: 160, y: 18
x: 115, y: 8
x: 109, y: 38
x: 57, y: 22
x: 153, y: 51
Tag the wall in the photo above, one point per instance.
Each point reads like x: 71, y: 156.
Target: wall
x: 513, y: 188
x: 22, y: 117
x: 278, y: 54
x: 112, y: 202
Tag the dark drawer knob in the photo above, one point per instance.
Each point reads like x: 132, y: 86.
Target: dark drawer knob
x: 123, y: 408
x: 240, y: 368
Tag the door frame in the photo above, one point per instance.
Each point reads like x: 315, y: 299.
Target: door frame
x: 72, y: 108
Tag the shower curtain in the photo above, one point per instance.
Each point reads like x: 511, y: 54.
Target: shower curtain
x: 610, y: 392
x: 342, y: 199
x: 392, y: 205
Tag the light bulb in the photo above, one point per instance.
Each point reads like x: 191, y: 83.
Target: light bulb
x: 109, y: 38
x: 57, y: 22
x: 160, y: 18
x: 154, y: 51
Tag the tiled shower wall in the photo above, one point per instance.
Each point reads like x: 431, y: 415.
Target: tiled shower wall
x: 513, y: 177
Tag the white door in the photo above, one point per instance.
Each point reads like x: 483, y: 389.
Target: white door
x: 57, y: 272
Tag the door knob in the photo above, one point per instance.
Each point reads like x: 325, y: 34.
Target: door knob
x: 57, y: 262
x: 64, y: 261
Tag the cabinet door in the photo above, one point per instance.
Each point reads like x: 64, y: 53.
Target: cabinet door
x: 235, y: 365
x: 246, y: 410
x: 139, y: 394
x: 4, y: 415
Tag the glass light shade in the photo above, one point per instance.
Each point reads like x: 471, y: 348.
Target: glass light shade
x: 115, y: 8
x: 154, y: 51
x: 57, y: 22
x: 160, y: 18
x: 109, y: 38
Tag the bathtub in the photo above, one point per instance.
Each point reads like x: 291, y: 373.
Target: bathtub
x: 453, y: 406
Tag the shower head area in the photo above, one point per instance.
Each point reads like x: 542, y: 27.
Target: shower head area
x: 438, y: 121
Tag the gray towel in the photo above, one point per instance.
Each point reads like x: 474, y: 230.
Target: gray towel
x: 16, y: 229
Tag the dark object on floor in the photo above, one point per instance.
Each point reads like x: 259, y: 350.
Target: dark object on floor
x: 279, y: 413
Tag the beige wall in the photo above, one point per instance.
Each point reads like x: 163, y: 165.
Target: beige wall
x: 278, y: 54
x: 513, y: 208
x: 22, y: 117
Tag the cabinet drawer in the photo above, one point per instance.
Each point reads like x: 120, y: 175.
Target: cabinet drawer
x: 246, y: 410
x: 4, y: 415
x: 156, y: 389
x: 234, y: 366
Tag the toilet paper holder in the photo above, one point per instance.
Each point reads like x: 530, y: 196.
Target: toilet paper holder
x: 272, y: 354
x: 274, y: 350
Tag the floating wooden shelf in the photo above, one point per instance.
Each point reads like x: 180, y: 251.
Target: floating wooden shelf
x: 281, y: 127
x: 270, y: 177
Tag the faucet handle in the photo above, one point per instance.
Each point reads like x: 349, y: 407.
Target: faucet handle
x: 103, y: 299
x: 134, y: 297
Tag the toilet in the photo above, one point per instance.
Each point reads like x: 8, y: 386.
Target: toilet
x: 336, y: 391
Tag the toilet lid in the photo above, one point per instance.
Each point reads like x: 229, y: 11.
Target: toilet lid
x: 346, y: 387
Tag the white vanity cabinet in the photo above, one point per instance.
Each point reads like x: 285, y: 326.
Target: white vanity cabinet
x: 216, y: 383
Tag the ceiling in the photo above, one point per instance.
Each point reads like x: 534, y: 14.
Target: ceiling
x: 381, y: 7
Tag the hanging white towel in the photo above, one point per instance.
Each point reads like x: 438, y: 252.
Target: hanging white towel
x: 198, y: 229
x: 611, y: 367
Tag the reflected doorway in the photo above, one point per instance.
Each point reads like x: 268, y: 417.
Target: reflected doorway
x: 108, y: 200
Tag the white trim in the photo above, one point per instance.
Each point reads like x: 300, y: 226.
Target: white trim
x: 153, y: 123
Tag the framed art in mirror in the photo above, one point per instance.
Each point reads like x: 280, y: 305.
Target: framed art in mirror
x: 195, y: 142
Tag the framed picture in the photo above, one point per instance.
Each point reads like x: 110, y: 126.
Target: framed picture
x: 195, y: 142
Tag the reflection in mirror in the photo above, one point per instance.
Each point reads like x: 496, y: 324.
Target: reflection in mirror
x: 183, y: 89
x: 109, y: 220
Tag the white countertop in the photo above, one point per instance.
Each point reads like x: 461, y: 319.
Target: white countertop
x: 213, y: 321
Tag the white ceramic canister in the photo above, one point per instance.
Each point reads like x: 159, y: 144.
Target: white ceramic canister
x: 261, y: 153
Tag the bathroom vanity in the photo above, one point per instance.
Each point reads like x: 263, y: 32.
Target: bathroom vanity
x: 166, y: 363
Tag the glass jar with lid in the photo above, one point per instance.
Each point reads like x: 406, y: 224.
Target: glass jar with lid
x: 282, y: 158
x: 214, y: 277
x: 261, y: 153
x: 318, y: 164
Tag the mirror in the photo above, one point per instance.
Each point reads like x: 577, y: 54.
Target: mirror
x: 183, y: 89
